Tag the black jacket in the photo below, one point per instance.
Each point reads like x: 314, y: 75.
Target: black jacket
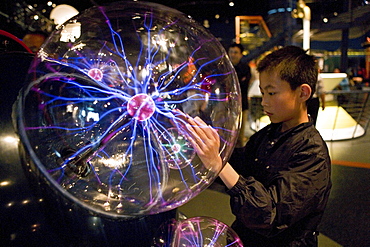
x: 283, y: 187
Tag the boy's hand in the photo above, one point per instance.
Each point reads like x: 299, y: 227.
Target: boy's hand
x: 205, y: 141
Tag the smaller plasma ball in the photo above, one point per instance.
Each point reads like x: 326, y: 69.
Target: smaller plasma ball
x: 179, y: 152
x: 141, y: 107
x: 204, y: 231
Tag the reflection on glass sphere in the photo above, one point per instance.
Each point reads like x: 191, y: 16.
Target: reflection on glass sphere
x: 97, y: 115
x: 204, y: 231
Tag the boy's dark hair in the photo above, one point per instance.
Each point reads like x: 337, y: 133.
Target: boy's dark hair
x: 293, y: 65
x: 241, y: 47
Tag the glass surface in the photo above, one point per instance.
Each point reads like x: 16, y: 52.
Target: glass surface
x: 97, y: 113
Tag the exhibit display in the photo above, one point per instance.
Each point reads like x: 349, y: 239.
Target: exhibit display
x: 98, y: 116
x: 99, y: 125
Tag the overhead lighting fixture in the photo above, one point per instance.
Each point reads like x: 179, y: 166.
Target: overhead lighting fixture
x: 62, y: 13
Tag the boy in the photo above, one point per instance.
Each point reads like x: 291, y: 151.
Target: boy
x: 279, y: 195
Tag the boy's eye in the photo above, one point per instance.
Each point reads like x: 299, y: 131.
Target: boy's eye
x: 272, y: 93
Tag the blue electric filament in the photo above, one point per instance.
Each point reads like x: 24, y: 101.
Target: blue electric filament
x: 99, y: 114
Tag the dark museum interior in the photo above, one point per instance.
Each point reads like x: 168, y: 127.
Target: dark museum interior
x: 41, y: 205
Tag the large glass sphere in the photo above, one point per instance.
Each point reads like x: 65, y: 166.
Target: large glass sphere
x: 98, y: 114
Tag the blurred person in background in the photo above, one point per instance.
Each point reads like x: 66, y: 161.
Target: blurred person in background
x: 243, y: 70
x: 34, y: 40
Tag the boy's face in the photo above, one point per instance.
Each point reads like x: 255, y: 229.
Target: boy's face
x: 280, y: 102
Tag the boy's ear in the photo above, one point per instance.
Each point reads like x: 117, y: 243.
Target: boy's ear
x: 305, y: 92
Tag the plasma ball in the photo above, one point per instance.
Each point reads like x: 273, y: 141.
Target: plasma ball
x: 96, y: 74
x: 99, y: 112
x: 141, y: 107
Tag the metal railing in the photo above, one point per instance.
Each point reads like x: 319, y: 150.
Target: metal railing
x: 346, y: 115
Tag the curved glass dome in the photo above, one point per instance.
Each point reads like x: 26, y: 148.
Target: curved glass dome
x: 204, y: 231
x: 97, y: 114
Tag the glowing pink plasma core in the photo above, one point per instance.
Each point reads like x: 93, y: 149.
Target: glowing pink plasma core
x: 141, y: 107
x: 176, y: 148
x: 96, y: 74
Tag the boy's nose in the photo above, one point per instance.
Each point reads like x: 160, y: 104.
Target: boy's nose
x: 263, y: 101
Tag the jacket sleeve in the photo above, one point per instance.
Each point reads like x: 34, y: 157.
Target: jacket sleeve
x: 292, y: 194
